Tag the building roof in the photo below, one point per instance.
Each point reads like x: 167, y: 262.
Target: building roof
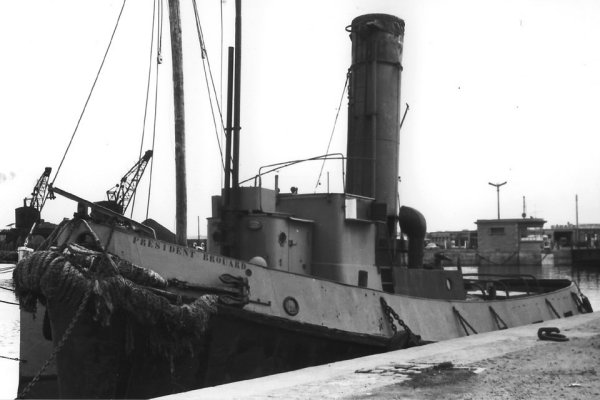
x: 512, y: 221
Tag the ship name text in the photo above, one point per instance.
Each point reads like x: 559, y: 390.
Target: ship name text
x: 188, y: 252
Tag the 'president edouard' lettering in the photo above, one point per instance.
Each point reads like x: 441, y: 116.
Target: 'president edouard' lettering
x: 182, y: 251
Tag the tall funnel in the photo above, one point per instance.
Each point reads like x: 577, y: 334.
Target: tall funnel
x: 374, y: 108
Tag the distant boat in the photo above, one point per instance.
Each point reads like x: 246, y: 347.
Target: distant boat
x: 288, y: 280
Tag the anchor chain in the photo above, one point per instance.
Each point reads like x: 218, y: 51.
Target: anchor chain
x: 391, y: 316
x: 60, y: 344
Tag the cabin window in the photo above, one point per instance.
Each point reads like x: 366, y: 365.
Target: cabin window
x: 497, y: 231
x: 448, y: 284
x: 363, y: 278
x: 351, y: 211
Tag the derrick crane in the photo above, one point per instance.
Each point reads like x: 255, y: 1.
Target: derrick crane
x: 38, y: 195
x: 121, y: 194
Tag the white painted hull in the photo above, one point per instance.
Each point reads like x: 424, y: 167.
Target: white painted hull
x: 331, y: 304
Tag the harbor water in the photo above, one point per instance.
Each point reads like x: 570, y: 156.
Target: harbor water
x: 9, y: 335
x: 588, y: 280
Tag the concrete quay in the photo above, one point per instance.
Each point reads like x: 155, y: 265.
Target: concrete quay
x: 506, y: 364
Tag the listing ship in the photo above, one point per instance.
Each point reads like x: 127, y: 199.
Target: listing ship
x: 288, y: 280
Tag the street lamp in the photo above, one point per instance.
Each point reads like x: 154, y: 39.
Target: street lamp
x: 497, y: 185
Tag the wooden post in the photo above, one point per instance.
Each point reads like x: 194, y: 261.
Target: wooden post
x: 180, y: 176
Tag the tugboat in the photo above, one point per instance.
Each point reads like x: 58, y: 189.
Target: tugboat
x: 288, y: 280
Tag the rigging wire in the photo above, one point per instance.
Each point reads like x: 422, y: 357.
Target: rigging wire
x: 147, y: 95
x: 158, y: 62
x: 333, y: 129
x: 90, y: 93
x: 206, y: 78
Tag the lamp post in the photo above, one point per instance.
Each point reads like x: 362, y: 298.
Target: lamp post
x: 497, y: 185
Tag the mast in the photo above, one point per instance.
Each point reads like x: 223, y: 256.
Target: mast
x: 180, y: 177
x: 228, y: 131
x: 576, y: 221
x: 237, y: 93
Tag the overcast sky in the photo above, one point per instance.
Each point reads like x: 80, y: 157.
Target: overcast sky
x: 498, y: 91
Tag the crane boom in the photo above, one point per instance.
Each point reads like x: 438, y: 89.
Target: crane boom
x: 38, y: 194
x: 123, y: 191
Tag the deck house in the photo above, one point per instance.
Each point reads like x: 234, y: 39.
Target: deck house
x: 511, y: 241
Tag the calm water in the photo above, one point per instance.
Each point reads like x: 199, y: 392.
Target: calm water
x: 9, y: 337
x: 587, y: 279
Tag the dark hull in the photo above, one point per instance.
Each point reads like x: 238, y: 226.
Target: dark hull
x: 120, y: 361
x: 245, y: 345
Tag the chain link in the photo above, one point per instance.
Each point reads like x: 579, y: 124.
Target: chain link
x: 60, y: 344
x: 391, y: 315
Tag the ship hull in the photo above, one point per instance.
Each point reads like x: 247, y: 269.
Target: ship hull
x: 96, y: 363
x: 329, y: 322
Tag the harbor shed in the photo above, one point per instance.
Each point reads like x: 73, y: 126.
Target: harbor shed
x: 510, y: 241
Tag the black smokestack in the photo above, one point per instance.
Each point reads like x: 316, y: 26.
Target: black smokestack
x: 374, y: 108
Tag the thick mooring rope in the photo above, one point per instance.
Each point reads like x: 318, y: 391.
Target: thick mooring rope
x: 87, y: 279
x: 65, y: 277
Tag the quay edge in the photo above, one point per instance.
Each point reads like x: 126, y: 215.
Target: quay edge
x: 339, y: 380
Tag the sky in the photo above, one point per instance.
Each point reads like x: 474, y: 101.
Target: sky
x: 498, y: 91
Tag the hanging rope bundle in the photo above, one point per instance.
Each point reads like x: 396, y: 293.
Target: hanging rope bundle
x: 63, y: 278
x: 132, y: 318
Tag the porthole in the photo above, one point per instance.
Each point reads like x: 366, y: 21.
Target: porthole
x: 290, y: 305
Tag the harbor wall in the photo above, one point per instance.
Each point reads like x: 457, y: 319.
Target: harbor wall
x: 467, y: 257
x: 510, y: 258
x: 472, y: 257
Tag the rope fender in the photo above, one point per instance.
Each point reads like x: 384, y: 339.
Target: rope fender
x: 96, y: 284
x: 64, y: 278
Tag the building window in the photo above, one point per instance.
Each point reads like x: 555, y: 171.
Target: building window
x: 497, y: 231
